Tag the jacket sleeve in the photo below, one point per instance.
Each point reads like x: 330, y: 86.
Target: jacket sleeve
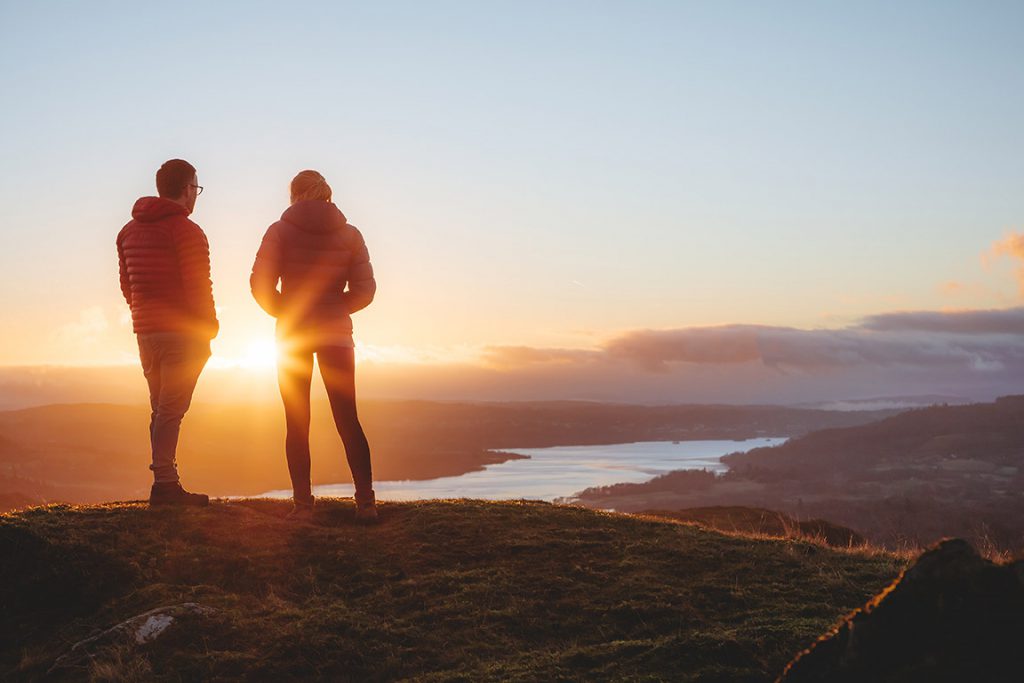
x: 122, y: 266
x: 361, y: 284
x: 266, y: 271
x: 194, y: 265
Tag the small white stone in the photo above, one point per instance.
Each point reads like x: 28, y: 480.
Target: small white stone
x: 153, y: 627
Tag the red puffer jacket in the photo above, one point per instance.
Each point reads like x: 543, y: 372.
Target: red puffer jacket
x: 165, y: 270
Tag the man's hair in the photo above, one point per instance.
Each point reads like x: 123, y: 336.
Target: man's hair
x: 172, y: 178
x: 310, y: 185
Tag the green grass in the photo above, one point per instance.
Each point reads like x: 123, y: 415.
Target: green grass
x: 449, y: 590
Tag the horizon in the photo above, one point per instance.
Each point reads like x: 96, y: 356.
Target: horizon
x: 39, y: 386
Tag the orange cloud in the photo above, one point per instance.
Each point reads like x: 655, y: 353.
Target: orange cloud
x: 654, y: 348
x: 1011, y: 246
x: 516, y: 356
x: 952, y: 288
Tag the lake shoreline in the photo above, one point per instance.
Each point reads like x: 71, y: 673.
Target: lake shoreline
x: 559, y: 472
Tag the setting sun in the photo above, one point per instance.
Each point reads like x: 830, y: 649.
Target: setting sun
x: 259, y: 355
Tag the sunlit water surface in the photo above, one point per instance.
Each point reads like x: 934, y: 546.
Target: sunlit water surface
x: 559, y: 472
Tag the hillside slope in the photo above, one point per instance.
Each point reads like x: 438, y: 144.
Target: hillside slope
x: 980, y: 438
x: 452, y: 590
x: 910, y: 479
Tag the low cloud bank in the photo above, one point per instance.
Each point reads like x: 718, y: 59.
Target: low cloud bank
x: 1004, y: 321
x: 965, y: 354
x: 977, y: 354
x: 979, y: 341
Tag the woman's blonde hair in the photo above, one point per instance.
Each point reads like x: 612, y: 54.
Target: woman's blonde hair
x: 310, y: 185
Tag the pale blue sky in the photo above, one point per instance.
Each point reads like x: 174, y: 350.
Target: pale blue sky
x: 525, y: 173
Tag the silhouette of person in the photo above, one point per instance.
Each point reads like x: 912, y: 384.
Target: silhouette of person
x: 164, y: 263
x: 324, y: 270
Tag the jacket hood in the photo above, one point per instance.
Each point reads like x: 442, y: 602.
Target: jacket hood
x: 314, y: 215
x: 150, y: 209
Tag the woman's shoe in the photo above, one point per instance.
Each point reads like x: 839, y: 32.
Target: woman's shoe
x: 302, y: 512
x: 366, y: 509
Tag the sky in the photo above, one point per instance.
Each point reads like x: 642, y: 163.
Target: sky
x: 545, y: 184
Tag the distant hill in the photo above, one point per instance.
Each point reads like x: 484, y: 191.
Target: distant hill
x: 97, y: 452
x: 982, y: 438
x: 887, y: 402
x: 451, y: 590
x: 912, y: 478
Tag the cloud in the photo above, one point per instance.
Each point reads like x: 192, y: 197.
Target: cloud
x: 952, y: 288
x: 654, y: 348
x: 90, y: 326
x: 1011, y: 246
x: 975, y: 354
x: 1005, y: 321
x: 517, y: 356
x: 788, y: 349
x: 970, y: 341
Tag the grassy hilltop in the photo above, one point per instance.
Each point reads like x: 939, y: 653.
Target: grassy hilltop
x: 450, y: 590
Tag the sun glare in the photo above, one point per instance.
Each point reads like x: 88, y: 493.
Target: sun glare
x: 259, y: 355
x: 262, y: 355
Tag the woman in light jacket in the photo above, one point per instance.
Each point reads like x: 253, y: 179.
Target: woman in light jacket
x: 325, y: 275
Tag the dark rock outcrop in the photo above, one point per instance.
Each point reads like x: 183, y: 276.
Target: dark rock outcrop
x: 951, y: 616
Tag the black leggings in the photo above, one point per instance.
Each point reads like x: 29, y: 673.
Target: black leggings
x: 294, y: 376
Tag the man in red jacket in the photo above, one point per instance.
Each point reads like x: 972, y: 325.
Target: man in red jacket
x: 164, y: 261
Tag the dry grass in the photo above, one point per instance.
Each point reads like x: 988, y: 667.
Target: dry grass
x: 443, y: 590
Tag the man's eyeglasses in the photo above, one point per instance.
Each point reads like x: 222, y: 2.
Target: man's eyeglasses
x: 199, y: 189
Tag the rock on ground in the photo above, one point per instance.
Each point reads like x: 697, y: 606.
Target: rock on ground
x: 139, y: 630
x: 951, y: 616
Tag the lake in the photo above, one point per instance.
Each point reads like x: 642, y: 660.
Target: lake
x: 559, y: 472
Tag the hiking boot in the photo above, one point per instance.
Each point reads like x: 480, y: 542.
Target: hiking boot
x: 366, y: 509
x: 301, y: 512
x: 171, y: 493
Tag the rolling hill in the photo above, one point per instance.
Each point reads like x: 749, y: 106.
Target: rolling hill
x: 909, y: 479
